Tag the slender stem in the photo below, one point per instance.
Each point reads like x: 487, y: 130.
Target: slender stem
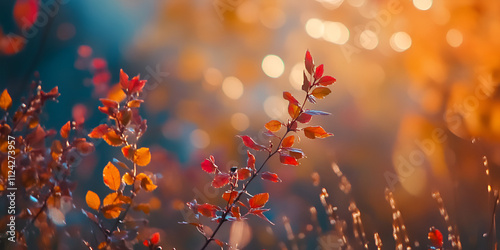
x: 228, y: 209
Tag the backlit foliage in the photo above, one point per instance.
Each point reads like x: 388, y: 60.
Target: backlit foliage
x: 38, y: 161
x: 125, y: 181
x: 239, y: 203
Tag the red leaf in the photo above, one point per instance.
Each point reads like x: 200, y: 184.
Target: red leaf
x: 309, y: 62
x: 155, y: 238
x: 249, y: 142
x: 319, y: 72
x: 146, y: 243
x: 123, y: 79
x: 65, y: 130
x: 270, y: 176
x: 288, y: 159
x: 219, y: 242
x: 244, y: 173
x: 289, y: 97
x: 136, y: 85
x: 99, y: 131
x: 288, y: 141
x: 259, y: 212
x: 208, y: 165
x: 327, y: 80
x: 304, y: 118
x: 208, y: 210
x: 436, y: 237
x: 258, y: 200
x: 220, y: 180
x: 250, y: 161
x: 109, y: 103
x: 25, y: 13
x: 106, y: 110
x: 306, y: 84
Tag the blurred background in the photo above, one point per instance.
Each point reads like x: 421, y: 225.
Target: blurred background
x: 415, y: 107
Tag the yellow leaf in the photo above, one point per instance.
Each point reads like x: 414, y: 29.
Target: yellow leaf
x: 5, y: 100
x: 93, y: 200
x: 321, y: 92
x: 273, y: 125
x: 128, y: 179
x: 111, y: 176
x: 116, y: 93
x: 142, y: 156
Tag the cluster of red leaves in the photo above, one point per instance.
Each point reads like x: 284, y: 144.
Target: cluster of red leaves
x: 238, y: 179
x: 40, y: 173
x: 126, y: 128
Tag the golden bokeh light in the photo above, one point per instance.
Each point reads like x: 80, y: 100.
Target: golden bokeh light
x: 273, y: 66
x: 240, y: 121
x: 400, y: 41
x: 232, y: 87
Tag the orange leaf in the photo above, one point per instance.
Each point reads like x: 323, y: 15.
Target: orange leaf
x: 142, y: 156
x: 112, y: 211
x: 99, y: 131
x: 116, y: 93
x: 128, y: 151
x: 112, y: 138
x: 273, y: 125
x: 232, y: 194
x: 316, y: 132
x: 146, y: 182
x: 5, y: 100
x: 288, y: 141
x: 112, y: 199
x: 258, y: 200
x: 321, y: 92
x: 92, y: 200
x: 293, y: 110
x: 220, y: 180
x: 260, y: 213
x: 289, y: 97
x: 111, y: 176
x: 134, y: 103
x: 270, y: 176
x: 65, y: 130
x: 128, y: 179
x: 235, y: 211
x: 244, y: 173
